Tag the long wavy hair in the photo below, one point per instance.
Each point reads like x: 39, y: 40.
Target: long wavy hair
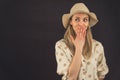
x: 87, y: 49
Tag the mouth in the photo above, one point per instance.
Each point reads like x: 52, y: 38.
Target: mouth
x: 82, y: 27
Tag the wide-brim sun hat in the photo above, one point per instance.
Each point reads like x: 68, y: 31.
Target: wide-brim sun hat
x: 79, y: 8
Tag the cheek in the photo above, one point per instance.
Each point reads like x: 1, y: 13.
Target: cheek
x: 75, y: 29
x: 87, y: 24
x: 74, y: 26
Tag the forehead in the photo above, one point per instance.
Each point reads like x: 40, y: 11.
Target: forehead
x: 82, y: 15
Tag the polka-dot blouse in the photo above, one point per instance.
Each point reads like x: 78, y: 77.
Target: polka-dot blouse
x: 91, y: 69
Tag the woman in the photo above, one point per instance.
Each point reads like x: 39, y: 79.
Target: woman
x: 78, y: 55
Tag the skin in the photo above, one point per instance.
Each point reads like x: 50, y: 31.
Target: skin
x: 79, y: 22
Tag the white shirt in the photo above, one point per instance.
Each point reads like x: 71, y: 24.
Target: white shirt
x: 91, y: 69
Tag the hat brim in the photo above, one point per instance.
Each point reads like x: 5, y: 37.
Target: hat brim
x: 66, y: 17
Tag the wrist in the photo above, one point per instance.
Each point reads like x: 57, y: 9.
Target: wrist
x: 79, y: 50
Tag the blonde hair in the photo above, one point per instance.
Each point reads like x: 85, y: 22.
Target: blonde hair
x: 87, y: 49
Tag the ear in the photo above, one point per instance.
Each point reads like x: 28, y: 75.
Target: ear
x: 71, y: 22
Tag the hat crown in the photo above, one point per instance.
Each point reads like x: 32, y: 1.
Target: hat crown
x: 79, y: 7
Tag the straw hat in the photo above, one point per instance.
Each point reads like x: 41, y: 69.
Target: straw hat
x: 79, y: 8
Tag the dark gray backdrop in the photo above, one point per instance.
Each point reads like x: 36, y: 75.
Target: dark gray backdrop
x: 30, y: 28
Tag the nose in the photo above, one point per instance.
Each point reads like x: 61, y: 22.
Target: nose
x: 80, y: 22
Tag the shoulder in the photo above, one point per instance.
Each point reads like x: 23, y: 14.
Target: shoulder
x: 96, y: 43
x: 97, y: 48
x: 60, y: 43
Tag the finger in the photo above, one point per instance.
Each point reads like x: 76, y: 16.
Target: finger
x: 81, y: 30
x: 78, y: 32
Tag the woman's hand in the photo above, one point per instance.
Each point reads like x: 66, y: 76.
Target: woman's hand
x: 76, y: 61
x: 79, y: 41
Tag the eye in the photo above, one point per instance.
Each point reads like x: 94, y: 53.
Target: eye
x: 77, y: 19
x: 85, y: 19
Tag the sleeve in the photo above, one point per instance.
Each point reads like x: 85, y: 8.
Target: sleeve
x: 61, y: 58
x: 102, y: 68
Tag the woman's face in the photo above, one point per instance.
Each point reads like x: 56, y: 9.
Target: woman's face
x: 79, y: 21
